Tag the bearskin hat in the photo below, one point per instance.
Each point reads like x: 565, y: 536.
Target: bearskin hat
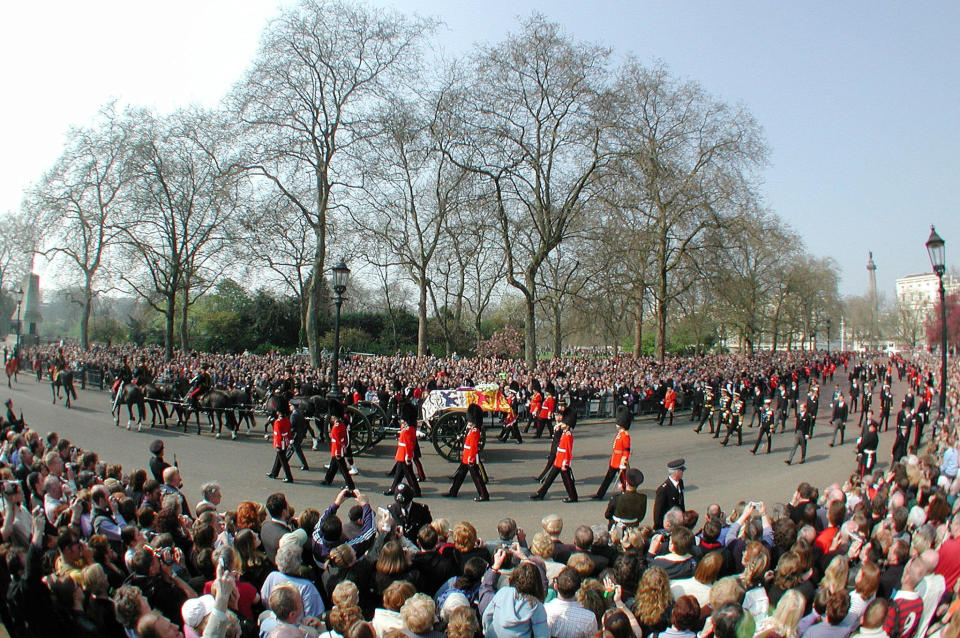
x: 408, y: 412
x: 336, y: 409
x: 474, y: 414
x: 624, y: 416
x: 570, y: 416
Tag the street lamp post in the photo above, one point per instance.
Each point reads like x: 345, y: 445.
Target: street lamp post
x: 937, y: 251
x: 19, y: 296
x: 828, y: 334
x: 341, y: 274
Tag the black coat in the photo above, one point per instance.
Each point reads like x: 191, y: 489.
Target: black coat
x: 668, y: 497
x: 417, y: 516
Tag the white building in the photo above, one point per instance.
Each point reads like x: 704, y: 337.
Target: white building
x: 921, y: 292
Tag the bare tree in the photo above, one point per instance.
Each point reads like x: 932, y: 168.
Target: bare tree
x: 690, y: 159
x: 534, y: 113
x: 19, y: 240
x: 80, y: 202
x: 322, y: 68
x: 184, y: 197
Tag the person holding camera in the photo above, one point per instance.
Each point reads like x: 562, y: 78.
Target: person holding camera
x: 17, y: 527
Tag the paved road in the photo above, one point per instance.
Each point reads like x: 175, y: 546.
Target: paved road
x: 714, y: 474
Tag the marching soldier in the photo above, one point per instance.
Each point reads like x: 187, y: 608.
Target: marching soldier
x: 468, y: 458
x: 546, y: 410
x: 554, y: 442
x: 867, y: 450
x: 338, y: 447
x: 620, y: 459
x: 403, y: 459
x: 767, y: 426
x: 801, y: 434
x: 865, y: 405
x: 724, y: 409
x: 512, y: 428
x: 783, y: 405
x: 735, y: 420
x: 669, y: 405
x: 561, y: 463
x: 709, y: 408
x: 670, y: 492
x: 696, y: 406
x: 536, y: 399
x: 886, y: 404
x: 838, y: 419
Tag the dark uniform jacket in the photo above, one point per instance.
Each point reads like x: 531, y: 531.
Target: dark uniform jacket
x: 668, y: 497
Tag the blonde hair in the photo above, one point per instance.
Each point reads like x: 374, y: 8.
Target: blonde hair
x: 442, y: 527
x: 94, y: 580
x: 418, y: 613
x: 552, y: 524
x: 835, y: 577
x: 788, y: 613
x: 542, y: 546
x: 345, y: 594
x: 464, y: 536
x: 653, y: 596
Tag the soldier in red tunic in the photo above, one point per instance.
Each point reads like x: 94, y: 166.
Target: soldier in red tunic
x: 406, y: 443
x: 536, y: 399
x: 620, y: 459
x: 281, y: 441
x: 338, y: 447
x: 561, y: 463
x: 468, y: 458
x: 546, y: 410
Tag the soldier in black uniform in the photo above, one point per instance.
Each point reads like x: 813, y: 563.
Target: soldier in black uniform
x: 723, y: 410
x: 783, y: 405
x: 886, y: 404
x: 838, y: 419
x: 735, y: 420
x: 865, y: 405
x: 867, y: 450
x: 767, y: 426
x: 709, y: 408
x: 670, y: 492
x: 801, y: 434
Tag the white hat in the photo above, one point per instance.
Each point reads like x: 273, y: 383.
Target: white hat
x: 196, y: 609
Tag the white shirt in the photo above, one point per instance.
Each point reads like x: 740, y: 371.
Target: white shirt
x: 569, y: 619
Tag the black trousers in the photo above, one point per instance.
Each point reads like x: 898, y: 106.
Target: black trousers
x: 566, y: 476
x: 840, y: 427
x: 734, y: 426
x: 707, y: 416
x: 403, y: 471
x: 295, y: 448
x: 764, y: 432
x: 461, y: 474
x: 281, y: 461
x: 339, y: 464
x: 612, y: 472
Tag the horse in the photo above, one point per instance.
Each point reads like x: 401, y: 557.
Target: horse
x: 12, y: 368
x: 243, y: 404
x: 62, y: 380
x: 130, y: 395
x: 218, y: 405
x: 156, y: 396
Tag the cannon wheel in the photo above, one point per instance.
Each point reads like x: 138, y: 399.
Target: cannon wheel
x: 378, y: 419
x: 447, y: 435
x: 361, y: 430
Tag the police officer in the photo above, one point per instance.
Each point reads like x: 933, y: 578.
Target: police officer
x: 670, y: 492
x: 839, y: 418
x: 620, y: 458
x: 468, y: 457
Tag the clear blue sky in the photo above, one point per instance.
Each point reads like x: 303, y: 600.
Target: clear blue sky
x: 859, y: 100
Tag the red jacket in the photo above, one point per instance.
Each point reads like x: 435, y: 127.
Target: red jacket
x: 546, y: 409
x: 281, y: 433
x: 338, y: 439
x: 564, y: 451
x: 406, y: 441
x: 535, y: 402
x: 620, y: 458
x: 471, y: 446
x: 670, y: 399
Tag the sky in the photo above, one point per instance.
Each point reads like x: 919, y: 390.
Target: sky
x: 859, y: 100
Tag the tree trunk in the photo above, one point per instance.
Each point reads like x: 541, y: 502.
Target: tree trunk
x: 530, y: 334
x: 638, y: 332
x: 557, y: 334
x: 315, y: 302
x: 662, y: 308
x: 87, y: 306
x: 422, y: 315
x: 184, y: 312
x: 168, y: 325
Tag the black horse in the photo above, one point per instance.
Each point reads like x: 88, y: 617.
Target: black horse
x: 218, y: 407
x: 243, y: 405
x: 129, y: 394
x: 157, y: 395
x: 62, y: 381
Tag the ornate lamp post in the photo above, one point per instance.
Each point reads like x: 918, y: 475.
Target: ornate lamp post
x: 18, y: 295
x: 341, y: 274
x: 828, y: 334
x: 937, y: 251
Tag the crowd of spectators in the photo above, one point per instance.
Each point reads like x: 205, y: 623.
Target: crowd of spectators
x: 93, y: 549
